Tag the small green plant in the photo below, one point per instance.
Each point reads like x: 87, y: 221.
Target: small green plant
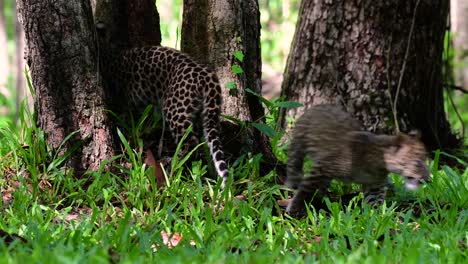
x: 236, y: 70
x: 110, y: 217
x: 269, y: 127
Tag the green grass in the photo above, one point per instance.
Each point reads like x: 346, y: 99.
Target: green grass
x: 105, y: 217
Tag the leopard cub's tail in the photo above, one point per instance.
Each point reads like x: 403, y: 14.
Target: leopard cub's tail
x: 211, y: 128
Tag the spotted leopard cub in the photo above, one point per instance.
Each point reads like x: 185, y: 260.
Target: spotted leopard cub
x: 188, y: 93
x: 341, y: 150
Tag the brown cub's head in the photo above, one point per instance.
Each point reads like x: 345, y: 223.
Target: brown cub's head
x: 406, y: 154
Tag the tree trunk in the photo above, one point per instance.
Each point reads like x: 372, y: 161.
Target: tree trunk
x: 212, y: 32
x: 61, y: 55
x: 459, y: 20
x: 367, y: 55
x: 129, y: 23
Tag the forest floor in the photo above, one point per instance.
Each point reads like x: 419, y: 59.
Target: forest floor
x: 49, y: 216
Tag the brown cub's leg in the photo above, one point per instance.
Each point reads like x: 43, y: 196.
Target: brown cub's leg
x: 374, y: 195
x: 308, y: 187
x: 296, y: 206
x: 296, y: 153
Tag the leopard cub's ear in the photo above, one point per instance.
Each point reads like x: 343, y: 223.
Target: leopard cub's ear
x: 100, y: 26
x: 414, y: 133
x: 101, y: 31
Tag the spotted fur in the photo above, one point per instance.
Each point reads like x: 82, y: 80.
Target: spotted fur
x: 341, y: 150
x: 187, y: 92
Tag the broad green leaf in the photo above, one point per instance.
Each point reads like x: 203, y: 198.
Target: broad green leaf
x: 288, y: 104
x: 238, y: 55
x: 231, y: 85
x: 266, y: 129
x: 236, y: 69
x: 267, y: 103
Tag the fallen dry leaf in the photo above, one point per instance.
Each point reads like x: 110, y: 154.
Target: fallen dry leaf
x: 283, y: 203
x: 240, y: 197
x: 75, y: 214
x: 317, y: 239
x: 171, y: 240
x: 71, y: 217
x: 7, y: 198
x: 157, y: 167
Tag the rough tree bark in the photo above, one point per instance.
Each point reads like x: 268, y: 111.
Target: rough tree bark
x: 366, y: 55
x: 130, y: 23
x: 61, y: 55
x: 212, y: 31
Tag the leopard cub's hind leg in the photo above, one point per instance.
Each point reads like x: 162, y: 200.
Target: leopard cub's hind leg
x: 179, y: 117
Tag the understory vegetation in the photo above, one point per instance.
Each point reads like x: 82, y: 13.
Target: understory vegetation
x: 122, y: 215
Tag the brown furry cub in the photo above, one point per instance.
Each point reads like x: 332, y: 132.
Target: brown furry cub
x: 341, y: 150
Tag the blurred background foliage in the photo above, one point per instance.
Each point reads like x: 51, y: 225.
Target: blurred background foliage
x: 8, y: 89
x: 278, y: 20
x: 277, y: 17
